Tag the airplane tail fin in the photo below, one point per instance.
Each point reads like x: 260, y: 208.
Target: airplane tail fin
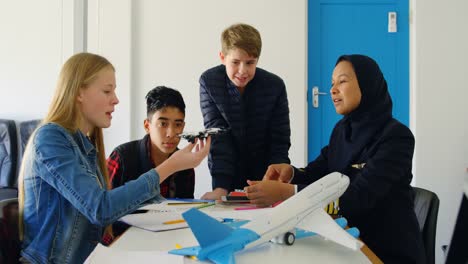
x: 206, y: 229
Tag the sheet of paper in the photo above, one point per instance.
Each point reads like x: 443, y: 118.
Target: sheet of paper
x: 171, y: 206
x: 168, y: 216
x: 155, y: 221
x: 102, y: 254
x: 162, y: 216
x: 227, y: 211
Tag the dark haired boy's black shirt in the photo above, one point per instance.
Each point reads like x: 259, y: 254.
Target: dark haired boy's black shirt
x: 128, y: 161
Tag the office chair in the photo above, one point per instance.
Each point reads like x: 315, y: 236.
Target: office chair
x: 10, y: 244
x: 457, y: 252
x: 26, y: 128
x: 8, y: 153
x: 426, y: 207
x: 8, y: 159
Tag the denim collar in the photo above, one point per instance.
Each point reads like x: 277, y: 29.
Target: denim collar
x: 86, y: 144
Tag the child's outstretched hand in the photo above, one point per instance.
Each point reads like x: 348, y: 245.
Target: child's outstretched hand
x: 185, y: 158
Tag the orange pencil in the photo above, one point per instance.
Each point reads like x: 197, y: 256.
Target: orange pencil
x: 174, y: 222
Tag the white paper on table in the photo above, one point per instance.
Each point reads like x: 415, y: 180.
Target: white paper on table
x: 165, y: 207
x: 102, y: 254
x: 154, y: 221
x: 160, y: 213
x: 157, y: 215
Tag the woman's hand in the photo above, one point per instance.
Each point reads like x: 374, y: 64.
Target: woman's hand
x: 265, y: 193
x: 279, y: 172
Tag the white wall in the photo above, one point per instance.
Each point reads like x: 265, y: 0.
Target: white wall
x: 110, y: 35
x: 174, y: 44
x: 174, y: 41
x: 31, y: 52
x: 439, y: 61
x: 184, y: 41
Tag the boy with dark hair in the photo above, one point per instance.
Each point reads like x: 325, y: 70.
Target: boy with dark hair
x: 252, y: 103
x: 165, y: 109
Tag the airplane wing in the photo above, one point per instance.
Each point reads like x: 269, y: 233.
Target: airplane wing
x: 187, y: 251
x: 321, y: 223
x: 236, y: 224
x: 223, y: 256
x: 342, y: 222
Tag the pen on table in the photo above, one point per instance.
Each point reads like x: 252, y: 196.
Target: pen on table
x: 186, y: 203
x: 188, y: 200
x: 247, y: 208
x: 178, y: 221
x: 204, y: 205
x: 255, y: 207
x: 139, y: 211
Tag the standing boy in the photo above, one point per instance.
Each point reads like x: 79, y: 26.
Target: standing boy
x: 165, y: 110
x: 252, y: 103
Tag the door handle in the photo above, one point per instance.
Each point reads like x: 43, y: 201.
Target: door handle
x: 315, y: 96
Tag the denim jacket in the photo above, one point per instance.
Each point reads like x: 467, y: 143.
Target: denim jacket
x: 66, y: 204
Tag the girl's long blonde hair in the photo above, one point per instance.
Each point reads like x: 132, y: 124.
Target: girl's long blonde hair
x: 77, y: 73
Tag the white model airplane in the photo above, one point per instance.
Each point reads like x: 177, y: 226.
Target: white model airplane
x: 304, y: 211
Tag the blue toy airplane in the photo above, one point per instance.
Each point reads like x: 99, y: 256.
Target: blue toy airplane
x: 299, y: 216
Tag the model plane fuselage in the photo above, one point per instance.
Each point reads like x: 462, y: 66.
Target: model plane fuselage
x: 288, y: 214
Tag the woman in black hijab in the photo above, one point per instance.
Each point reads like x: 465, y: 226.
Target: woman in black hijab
x: 375, y: 151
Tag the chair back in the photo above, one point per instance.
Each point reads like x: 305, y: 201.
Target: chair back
x: 26, y: 128
x: 8, y: 153
x: 10, y: 245
x: 426, y: 207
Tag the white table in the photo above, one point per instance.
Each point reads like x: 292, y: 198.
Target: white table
x: 304, y: 250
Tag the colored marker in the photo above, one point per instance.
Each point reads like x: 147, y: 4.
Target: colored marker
x: 247, y: 208
x: 255, y: 207
x: 237, y: 193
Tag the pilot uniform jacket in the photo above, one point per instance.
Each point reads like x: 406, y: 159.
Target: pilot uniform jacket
x: 379, y: 200
x: 375, y: 151
x: 129, y: 160
x: 258, y: 123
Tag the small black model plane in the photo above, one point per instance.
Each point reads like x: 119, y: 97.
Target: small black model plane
x: 191, y: 136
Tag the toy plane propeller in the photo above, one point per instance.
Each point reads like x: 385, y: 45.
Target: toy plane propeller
x: 299, y: 216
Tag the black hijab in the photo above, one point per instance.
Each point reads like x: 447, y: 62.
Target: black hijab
x: 357, y: 129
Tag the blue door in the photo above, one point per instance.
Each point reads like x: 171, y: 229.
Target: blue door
x: 377, y: 28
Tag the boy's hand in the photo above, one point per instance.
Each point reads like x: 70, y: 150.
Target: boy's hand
x: 279, y: 172
x: 265, y: 193
x: 215, y: 194
x: 184, y: 159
